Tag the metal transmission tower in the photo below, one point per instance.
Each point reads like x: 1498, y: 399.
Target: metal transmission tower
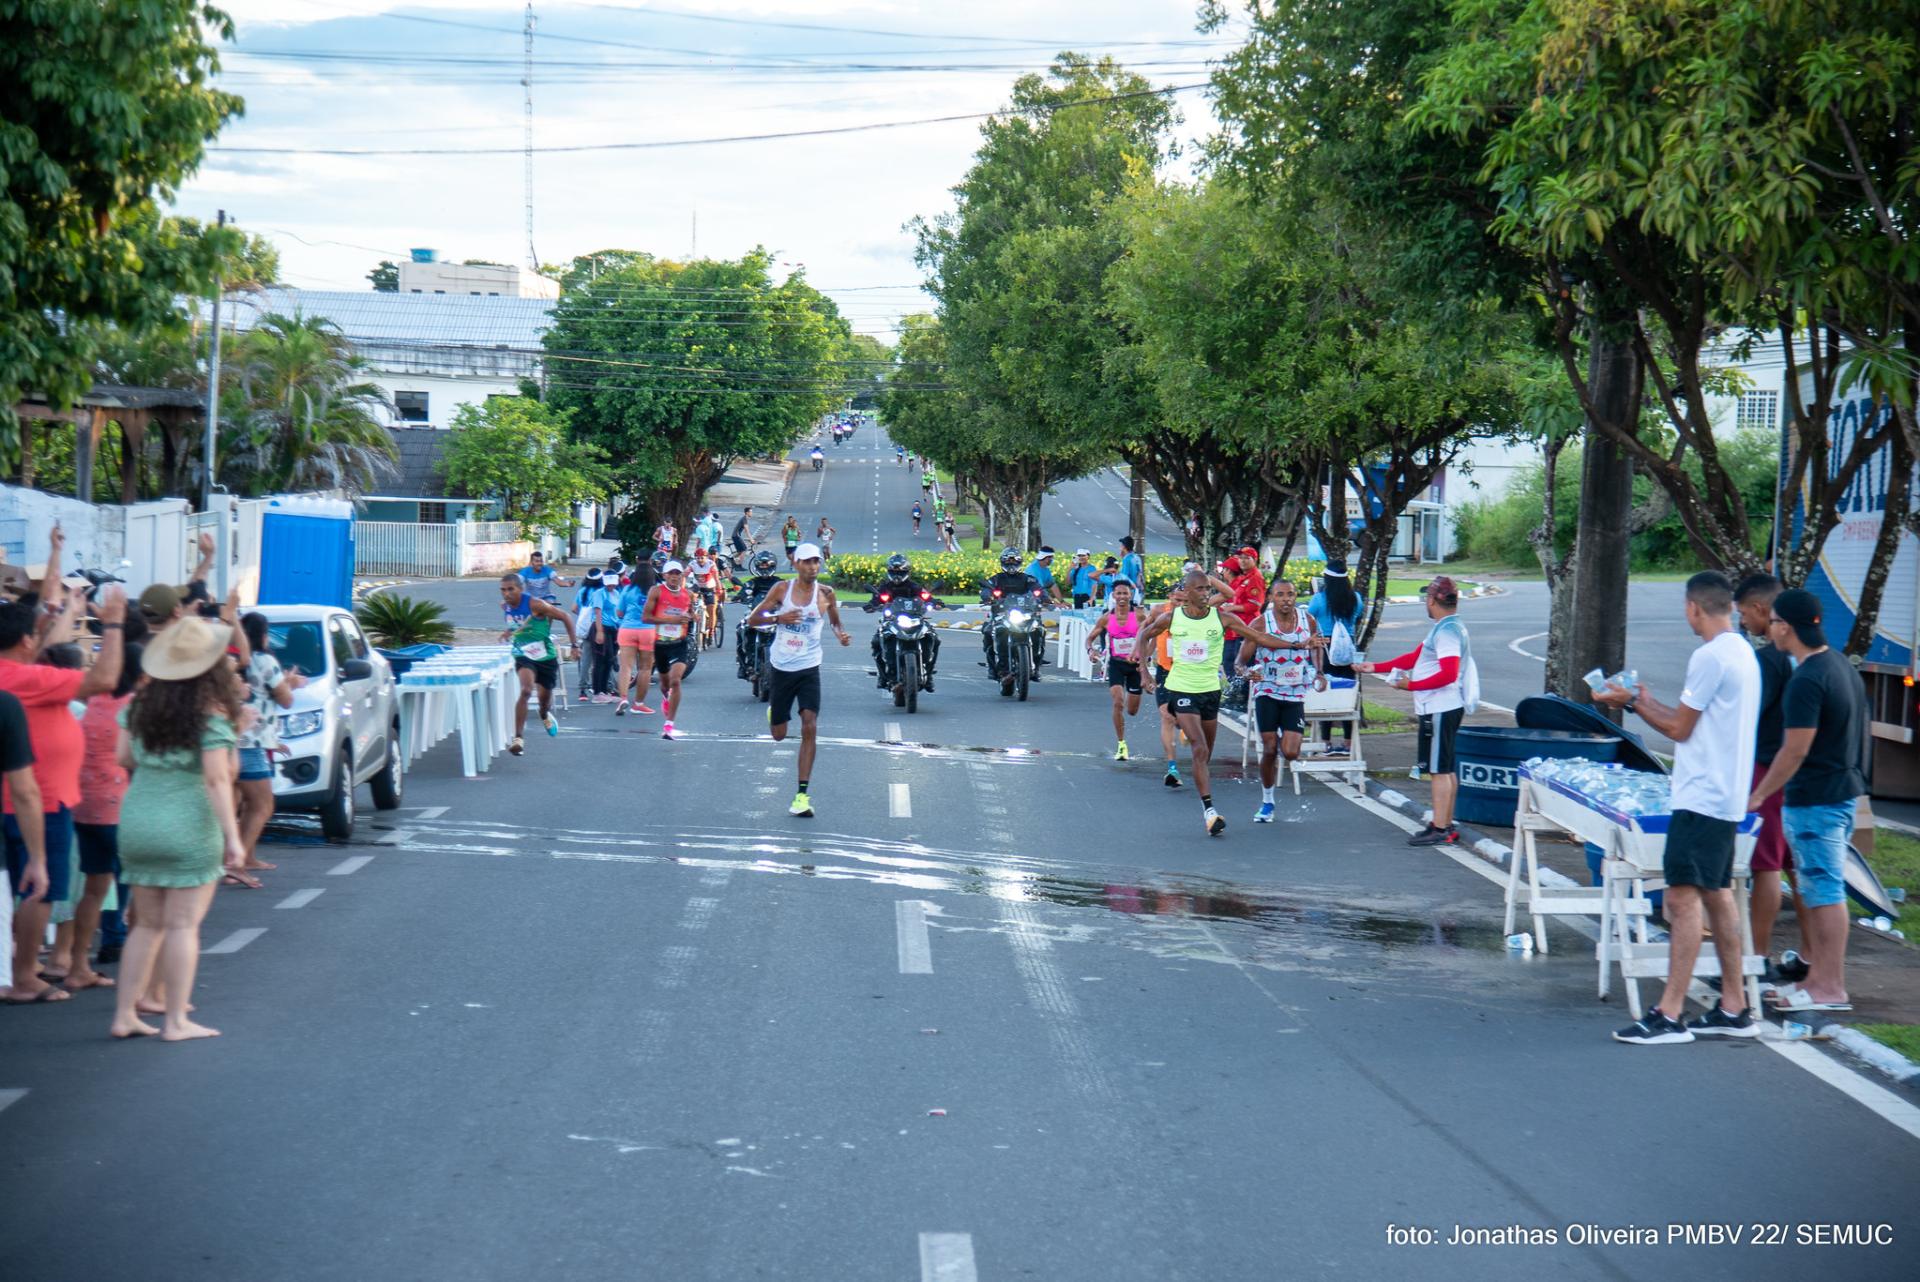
x: 526, y: 84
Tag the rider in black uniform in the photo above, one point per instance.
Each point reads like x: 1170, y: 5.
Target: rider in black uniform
x: 1011, y: 582
x: 752, y: 591
x: 899, y: 585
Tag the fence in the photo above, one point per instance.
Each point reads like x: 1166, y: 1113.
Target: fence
x: 403, y: 548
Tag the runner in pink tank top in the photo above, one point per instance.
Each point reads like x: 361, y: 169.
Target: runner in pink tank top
x: 1120, y: 626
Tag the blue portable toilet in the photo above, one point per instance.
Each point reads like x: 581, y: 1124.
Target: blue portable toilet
x: 306, y: 552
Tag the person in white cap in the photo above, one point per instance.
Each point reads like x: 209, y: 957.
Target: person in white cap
x: 799, y: 608
x: 670, y: 611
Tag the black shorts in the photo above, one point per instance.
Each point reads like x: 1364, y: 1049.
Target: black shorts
x: 1161, y: 695
x: 1204, y: 704
x: 1124, y: 672
x: 546, y: 672
x: 665, y: 656
x: 789, y: 688
x: 1699, y: 851
x: 1080, y: 600
x: 1437, y: 733
x: 1276, y: 715
x: 99, y: 848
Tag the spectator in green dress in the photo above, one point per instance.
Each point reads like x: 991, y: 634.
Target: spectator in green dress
x: 177, y: 737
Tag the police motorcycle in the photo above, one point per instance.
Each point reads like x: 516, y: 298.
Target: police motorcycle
x: 819, y: 459
x: 904, y: 644
x: 1015, y: 631
x: 753, y: 646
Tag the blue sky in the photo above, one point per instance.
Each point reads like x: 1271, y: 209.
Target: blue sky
x: 358, y: 74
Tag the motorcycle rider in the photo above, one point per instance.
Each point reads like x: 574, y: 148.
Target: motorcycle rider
x: 1012, y: 582
x: 819, y: 459
x: 752, y: 592
x: 899, y: 585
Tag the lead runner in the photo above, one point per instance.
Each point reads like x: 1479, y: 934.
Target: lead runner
x: 798, y: 607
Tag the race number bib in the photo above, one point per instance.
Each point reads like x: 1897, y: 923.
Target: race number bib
x: 672, y: 631
x: 793, y: 644
x: 1193, y: 651
x: 534, y: 651
x: 1120, y: 647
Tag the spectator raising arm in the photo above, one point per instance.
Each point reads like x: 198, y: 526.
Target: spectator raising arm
x: 104, y: 675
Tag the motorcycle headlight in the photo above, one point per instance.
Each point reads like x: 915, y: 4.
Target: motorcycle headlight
x: 907, y: 623
x: 1019, y: 618
x: 295, y: 724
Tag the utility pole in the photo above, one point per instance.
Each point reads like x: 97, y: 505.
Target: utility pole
x: 213, y: 394
x: 526, y: 83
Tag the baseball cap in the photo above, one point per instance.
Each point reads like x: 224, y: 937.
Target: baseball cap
x: 1251, y: 551
x: 672, y: 567
x: 1799, y: 609
x: 159, y: 602
x: 807, y: 552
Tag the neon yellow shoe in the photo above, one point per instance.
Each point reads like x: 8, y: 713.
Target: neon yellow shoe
x: 802, y: 807
x: 1120, y: 752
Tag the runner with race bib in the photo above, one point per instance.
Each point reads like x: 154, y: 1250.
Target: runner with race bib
x: 536, y: 660
x: 670, y: 611
x: 799, y: 608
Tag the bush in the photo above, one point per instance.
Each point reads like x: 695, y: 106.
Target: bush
x: 397, y: 621
x: 962, y: 573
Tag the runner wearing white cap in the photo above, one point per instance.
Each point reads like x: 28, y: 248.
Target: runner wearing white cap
x: 799, y: 608
x: 670, y: 611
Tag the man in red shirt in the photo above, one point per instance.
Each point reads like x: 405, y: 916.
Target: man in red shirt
x: 45, y: 693
x: 1249, y: 595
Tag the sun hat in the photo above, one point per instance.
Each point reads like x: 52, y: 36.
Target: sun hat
x: 159, y: 602
x: 183, y: 650
x: 807, y: 552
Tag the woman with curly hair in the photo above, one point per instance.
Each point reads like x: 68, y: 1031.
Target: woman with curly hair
x: 177, y: 737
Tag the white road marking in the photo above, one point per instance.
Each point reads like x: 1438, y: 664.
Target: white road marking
x: 236, y: 941
x: 899, y: 801
x: 11, y: 1096
x: 893, y: 732
x: 1515, y: 646
x: 699, y: 913
x: 431, y: 812
x: 910, y: 930
x: 947, y: 1257
x: 1050, y: 995
x: 351, y: 864
x: 398, y: 837
x: 300, y: 899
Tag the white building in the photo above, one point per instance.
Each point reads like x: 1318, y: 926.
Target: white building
x: 424, y: 273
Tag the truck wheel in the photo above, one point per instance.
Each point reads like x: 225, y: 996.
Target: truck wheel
x: 390, y: 783
x: 336, y: 813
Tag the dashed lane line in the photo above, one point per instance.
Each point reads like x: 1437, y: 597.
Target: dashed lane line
x: 351, y: 864
x: 236, y: 941
x: 11, y: 1096
x: 910, y: 937
x: 947, y: 1257
x: 899, y: 801
x: 300, y: 898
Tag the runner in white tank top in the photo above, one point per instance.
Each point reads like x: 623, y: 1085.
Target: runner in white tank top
x: 799, y: 609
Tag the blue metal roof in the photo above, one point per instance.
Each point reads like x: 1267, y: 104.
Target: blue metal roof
x: 372, y: 318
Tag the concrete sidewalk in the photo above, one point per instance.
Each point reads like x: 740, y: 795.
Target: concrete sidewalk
x: 752, y: 483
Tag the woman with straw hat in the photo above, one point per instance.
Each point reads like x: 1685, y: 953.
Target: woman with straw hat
x: 177, y: 737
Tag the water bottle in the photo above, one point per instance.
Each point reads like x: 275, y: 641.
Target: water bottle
x: 1521, y: 943
x: 1793, y: 1032
x: 1898, y: 894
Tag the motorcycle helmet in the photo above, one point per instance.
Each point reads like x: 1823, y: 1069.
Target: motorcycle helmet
x: 899, y: 569
x: 658, y: 560
x: 1009, y: 559
x: 764, y: 562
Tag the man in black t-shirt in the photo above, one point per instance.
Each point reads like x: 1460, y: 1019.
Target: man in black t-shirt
x: 1771, y: 854
x: 29, y: 880
x: 1822, y: 768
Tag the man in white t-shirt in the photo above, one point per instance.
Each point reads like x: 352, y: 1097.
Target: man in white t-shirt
x: 1713, y: 729
x: 1434, y: 675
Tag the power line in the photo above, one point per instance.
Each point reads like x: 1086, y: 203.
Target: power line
x: 692, y: 142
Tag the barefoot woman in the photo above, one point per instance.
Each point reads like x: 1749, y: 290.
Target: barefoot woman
x: 178, y: 740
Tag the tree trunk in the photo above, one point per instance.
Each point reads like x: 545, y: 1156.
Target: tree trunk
x: 1137, y: 510
x: 1557, y: 569
x: 1597, y: 632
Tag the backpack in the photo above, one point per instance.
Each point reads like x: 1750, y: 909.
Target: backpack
x: 1469, y: 680
x: 1340, y: 649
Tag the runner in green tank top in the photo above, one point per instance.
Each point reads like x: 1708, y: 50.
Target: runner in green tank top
x: 536, y: 661
x: 1196, y: 640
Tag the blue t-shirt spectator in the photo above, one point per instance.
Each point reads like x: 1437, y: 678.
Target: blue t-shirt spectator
x: 631, y: 605
x: 1041, y: 574
x: 537, y: 581
x: 1083, y: 577
x: 1106, y: 582
x: 1133, y: 570
x: 1323, y: 614
x: 706, y: 534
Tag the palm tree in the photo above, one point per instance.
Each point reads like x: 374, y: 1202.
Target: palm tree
x: 305, y: 417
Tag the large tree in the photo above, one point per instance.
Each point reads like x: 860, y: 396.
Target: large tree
x: 104, y: 109
x: 300, y: 412
x: 677, y: 369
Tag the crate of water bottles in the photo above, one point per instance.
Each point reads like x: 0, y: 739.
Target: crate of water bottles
x: 1624, y: 812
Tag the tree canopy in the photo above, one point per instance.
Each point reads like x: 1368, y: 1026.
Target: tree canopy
x: 517, y: 451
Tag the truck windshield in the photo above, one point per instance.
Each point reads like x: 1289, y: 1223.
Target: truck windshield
x: 298, y: 647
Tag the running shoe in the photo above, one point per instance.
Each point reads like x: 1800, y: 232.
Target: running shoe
x: 1717, y: 1023
x: 516, y: 745
x: 1215, y: 824
x: 1654, y: 1029
x: 1120, y: 751
x: 670, y: 733
x: 1264, y: 815
x: 1172, y: 779
x: 552, y: 723
x: 642, y: 708
x: 620, y: 708
x: 1432, y: 836
x: 802, y: 807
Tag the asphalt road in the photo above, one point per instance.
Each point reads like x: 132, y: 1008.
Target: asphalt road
x: 607, y: 1012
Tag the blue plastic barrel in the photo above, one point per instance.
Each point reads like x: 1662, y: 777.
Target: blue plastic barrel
x: 1489, y: 760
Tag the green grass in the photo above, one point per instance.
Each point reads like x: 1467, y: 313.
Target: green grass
x: 1904, y: 1038
x: 1384, y: 720
x: 1895, y: 860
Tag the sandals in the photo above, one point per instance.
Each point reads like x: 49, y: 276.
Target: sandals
x: 51, y: 993
x: 1792, y: 997
x: 242, y: 878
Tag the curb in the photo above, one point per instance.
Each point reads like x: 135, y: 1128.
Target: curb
x: 1856, y: 1043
